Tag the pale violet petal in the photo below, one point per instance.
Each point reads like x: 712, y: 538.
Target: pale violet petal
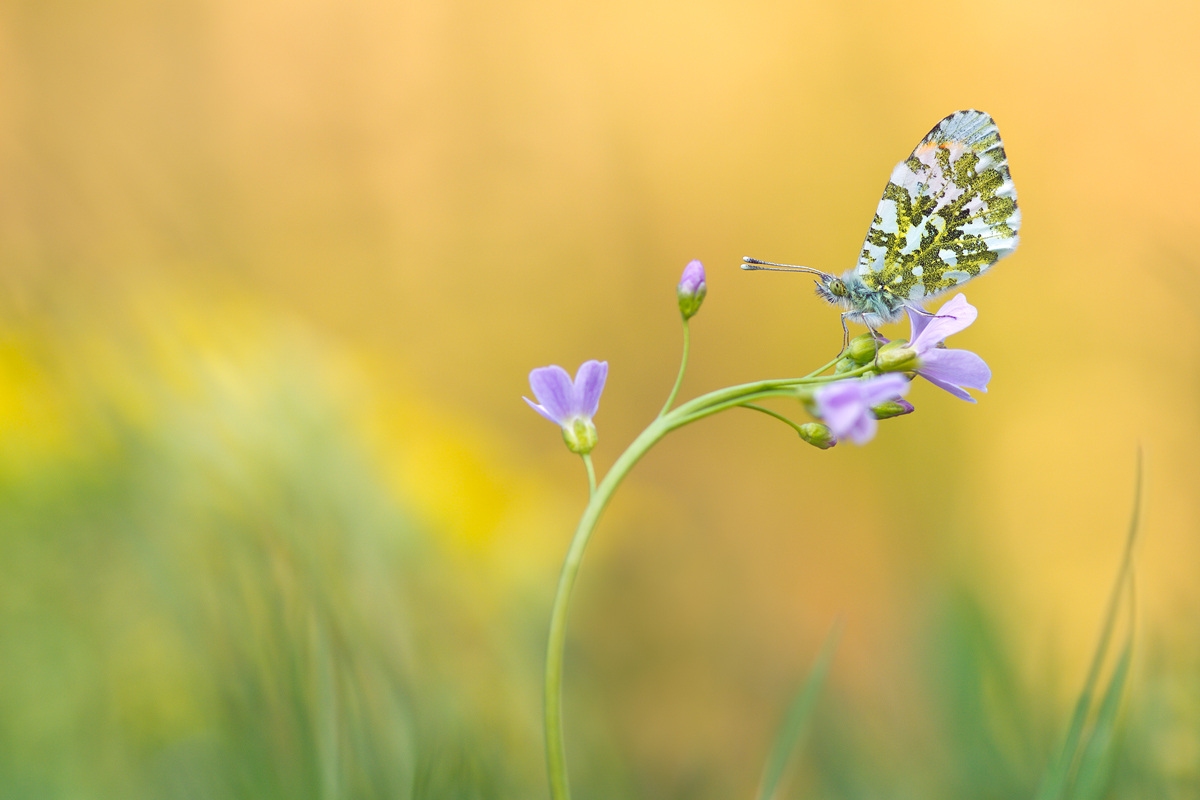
x: 949, y: 387
x: 845, y: 405
x: 541, y: 410
x: 589, y: 383
x: 952, y: 317
x: 959, y: 367
x: 552, y: 387
x: 840, y: 405
x: 693, y: 276
x: 918, y: 320
x: 884, y: 388
x: 863, y: 429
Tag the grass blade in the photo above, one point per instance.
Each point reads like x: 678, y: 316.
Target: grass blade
x: 1058, y: 776
x: 798, y: 713
x: 1096, y: 761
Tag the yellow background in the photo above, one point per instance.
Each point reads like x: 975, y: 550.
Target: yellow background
x: 245, y: 244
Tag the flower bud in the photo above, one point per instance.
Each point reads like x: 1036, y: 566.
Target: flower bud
x: 892, y: 408
x: 580, y: 435
x: 844, y: 365
x: 862, y: 348
x: 817, y: 435
x: 898, y: 358
x: 691, y: 289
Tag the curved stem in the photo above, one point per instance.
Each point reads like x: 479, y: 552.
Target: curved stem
x: 555, y: 756
x: 817, y: 372
x: 721, y: 399
x: 771, y: 413
x: 591, y: 473
x: 667, y: 421
x: 682, y: 366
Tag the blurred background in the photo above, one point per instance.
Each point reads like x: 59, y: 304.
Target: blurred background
x: 275, y: 522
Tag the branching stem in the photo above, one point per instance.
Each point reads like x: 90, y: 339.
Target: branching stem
x: 667, y: 421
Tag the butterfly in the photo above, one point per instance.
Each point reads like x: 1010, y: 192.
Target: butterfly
x: 948, y: 213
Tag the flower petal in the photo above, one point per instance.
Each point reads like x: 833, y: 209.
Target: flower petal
x: 863, y: 429
x: 840, y: 405
x: 693, y: 276
x: 884, y: 388
x: 918, y: 320
x: 845, y: 405
x: 952, y: 317
x: 552, y: 387
x: 958, y: 392
x: 589, y: 383
x: 541, y: 410
x: 960, y: 367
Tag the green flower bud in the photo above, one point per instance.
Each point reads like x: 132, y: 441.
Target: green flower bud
x: 817, y: 435
x: 844, y: 365
x: 892, y: 408
x: 580, y: 435
x: 898, y: 358
x: 862, y: 348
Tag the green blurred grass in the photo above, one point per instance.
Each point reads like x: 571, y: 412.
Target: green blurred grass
x: 217, y: 596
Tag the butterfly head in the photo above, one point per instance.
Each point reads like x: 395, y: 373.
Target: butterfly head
x: 832, y: 289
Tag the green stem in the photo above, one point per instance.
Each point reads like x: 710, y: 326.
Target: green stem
x: 682, y: 366
x: 708, y: 404
x: 667, y: 421
x: 771, y: 413
x: 591, y: 473
x: 555, y: 757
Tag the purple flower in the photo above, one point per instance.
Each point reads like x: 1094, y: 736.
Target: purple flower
x: 846, y: 405
x: 691, y: 289
x: 570, y: 404
x: 950, y: 369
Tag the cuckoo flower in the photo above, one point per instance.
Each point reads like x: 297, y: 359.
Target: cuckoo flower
x: 845, y: 405
x: 950, y: 369
x: 570, y: 404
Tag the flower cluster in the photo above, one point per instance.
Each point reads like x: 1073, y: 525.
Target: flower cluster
x: 851, y: 407
x: 878, y: 376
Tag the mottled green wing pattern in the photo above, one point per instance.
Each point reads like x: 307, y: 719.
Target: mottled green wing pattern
x: 948, y: 213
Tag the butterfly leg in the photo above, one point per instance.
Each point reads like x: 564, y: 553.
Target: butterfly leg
x: 929, y: 314
x: 876, y: 336
x: 845, y: 334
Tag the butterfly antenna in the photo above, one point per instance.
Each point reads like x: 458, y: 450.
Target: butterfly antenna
x: 770, y: 266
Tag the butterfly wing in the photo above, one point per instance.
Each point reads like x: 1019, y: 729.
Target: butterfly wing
x: 948, y: 213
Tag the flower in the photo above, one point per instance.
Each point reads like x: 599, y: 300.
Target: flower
x: 949, y: 369
x: 846, y: 405
x: 691, y: 289
x: 570, y: 404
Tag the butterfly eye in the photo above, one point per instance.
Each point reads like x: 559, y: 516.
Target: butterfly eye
x: 837, y: 288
